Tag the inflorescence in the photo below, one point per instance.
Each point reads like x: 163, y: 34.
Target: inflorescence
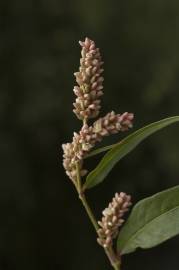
x: 112, y: 219
x: 87, y: 105
x: 89, y: 79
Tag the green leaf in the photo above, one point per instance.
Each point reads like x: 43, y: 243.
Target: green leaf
x: 100, y: 150
x: 123, y: 148
x: 151, y: 222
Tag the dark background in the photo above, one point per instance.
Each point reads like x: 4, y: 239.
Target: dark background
x: 42, y: 223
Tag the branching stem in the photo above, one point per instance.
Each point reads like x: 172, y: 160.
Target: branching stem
x: 114, y: 260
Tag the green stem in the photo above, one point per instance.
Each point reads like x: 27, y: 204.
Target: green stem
x: 84, y: 201
x: 89, y: 211
x: 117, y: 267
x: 78, y: 186
x: 114, y: 260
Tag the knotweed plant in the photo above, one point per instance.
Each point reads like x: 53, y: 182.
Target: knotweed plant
x: 152, y: 220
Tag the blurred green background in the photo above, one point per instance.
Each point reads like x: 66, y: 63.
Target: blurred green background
x: 43, y: 225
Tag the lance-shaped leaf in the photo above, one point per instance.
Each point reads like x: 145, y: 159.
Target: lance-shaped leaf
x: 122, y: 148
x: 151, y: 222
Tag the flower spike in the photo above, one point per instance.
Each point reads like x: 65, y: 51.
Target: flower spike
x: 87, y: 138
x: 89, y: 79
x: 112, y: 219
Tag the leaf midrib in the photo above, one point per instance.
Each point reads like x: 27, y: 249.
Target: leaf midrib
x: 149, y: 223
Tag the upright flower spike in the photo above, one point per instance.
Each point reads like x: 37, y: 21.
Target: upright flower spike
x: 89, y: 79
x: 112, y: 219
